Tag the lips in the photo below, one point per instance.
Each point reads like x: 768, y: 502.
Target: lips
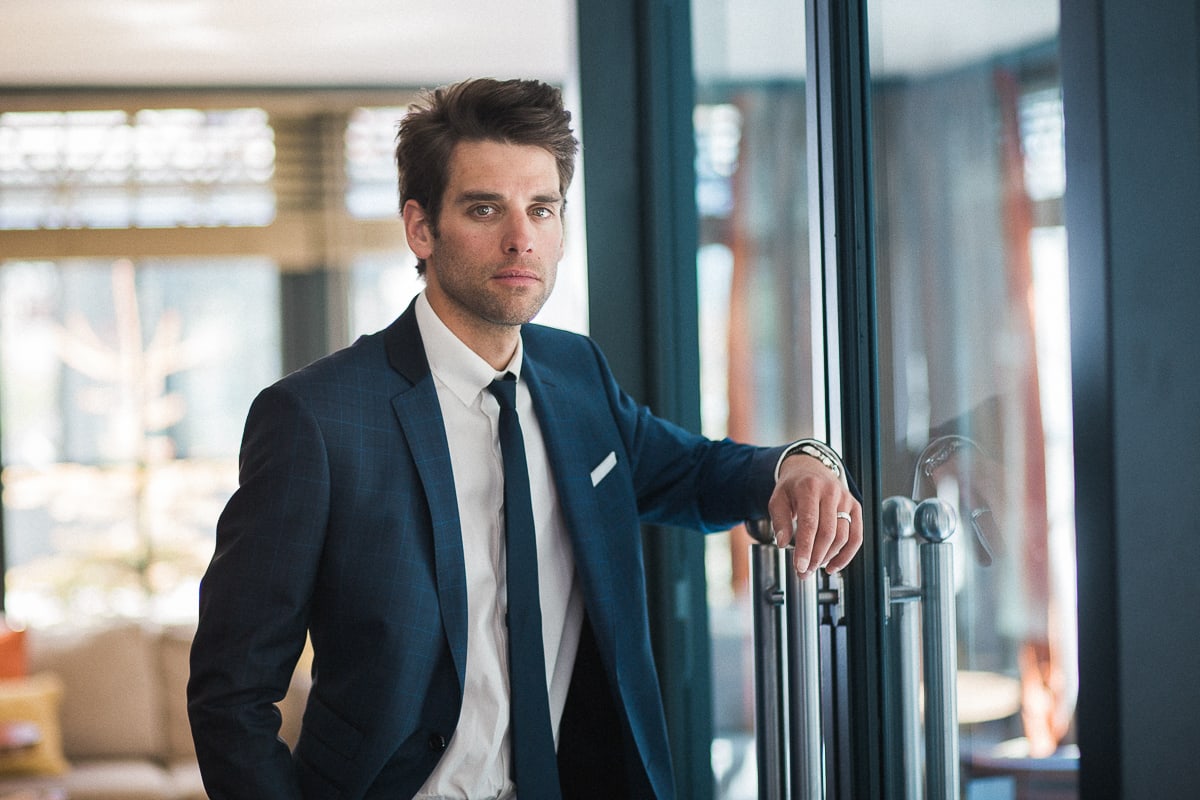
x: 517, y: 276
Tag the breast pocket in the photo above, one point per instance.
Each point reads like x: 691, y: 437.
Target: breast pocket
x: 601, y: 470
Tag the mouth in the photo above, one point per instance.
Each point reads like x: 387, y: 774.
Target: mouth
x: 517, y: 277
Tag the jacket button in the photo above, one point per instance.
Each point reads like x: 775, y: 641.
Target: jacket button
x: 437, y: 742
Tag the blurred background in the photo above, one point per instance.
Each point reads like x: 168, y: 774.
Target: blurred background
x: 198, y: 196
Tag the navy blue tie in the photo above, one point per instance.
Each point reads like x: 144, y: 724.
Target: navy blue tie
x: 535, y: 764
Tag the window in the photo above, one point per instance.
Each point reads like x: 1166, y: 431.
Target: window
x: 125, y: 388
x: 124, y: 381
x: 154, y: 168
x: 370, y: 162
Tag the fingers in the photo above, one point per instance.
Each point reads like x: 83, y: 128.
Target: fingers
x: 830, y: 537
x: 853, y: 542
x: 832, y: 542
x: 820, y: 519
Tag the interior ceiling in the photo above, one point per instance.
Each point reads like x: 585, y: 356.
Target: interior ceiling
x: 223, y: 43
x: 406, y: 43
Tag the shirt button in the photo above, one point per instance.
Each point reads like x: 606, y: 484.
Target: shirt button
x: 437, y: 742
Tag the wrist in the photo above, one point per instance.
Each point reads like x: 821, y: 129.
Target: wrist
x: 820, y: 452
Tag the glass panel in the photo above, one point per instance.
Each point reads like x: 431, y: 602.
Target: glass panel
x: 370, y: 146
x: 975, y: 403
x: 156, y: 168
x: 124, y: 394
x: 758, y: 371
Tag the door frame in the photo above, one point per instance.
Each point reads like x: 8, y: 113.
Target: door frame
x: 843, y: 260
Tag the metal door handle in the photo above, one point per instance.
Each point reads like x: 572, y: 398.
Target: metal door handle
x: 919, y: 569
x: 786, y: 673
x: 924, y: 573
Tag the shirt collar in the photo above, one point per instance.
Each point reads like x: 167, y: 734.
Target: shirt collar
x: 457, y: 366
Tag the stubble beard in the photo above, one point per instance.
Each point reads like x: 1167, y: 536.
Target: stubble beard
x: 495, y: 306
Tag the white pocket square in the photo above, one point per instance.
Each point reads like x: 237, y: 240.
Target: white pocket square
x: 603, y: 468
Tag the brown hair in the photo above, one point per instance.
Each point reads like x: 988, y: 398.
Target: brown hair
x: 523, y: 112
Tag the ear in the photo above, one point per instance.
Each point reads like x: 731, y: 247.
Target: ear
x: 418, y: 229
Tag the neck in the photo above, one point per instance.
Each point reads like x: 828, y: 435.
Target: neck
x: 496, y: 347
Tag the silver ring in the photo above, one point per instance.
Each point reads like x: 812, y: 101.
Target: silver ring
x: 844, y: 515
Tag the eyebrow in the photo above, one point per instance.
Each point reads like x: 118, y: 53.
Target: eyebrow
x: 496, y: 197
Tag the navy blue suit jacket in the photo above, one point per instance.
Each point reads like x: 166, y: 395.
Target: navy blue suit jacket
x: 345, y: 526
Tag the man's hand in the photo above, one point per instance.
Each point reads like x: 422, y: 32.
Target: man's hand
x: 808, y: 510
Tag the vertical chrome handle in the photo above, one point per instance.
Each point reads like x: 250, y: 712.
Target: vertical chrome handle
x: 935, y: 522
x: 904, y: 576
x: 786, y: 610
x: 804, y: 684
x: 932, y: 584
x: 767, y: 597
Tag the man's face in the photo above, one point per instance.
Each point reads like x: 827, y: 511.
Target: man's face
x: 492, y: 261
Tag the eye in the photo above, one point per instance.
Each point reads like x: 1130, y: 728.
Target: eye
x: 544, y: 212
x: 483, y: 211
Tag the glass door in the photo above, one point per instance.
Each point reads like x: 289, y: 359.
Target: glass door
x: 974, y: 396
x: 882, y: 263
x: 762, y: 377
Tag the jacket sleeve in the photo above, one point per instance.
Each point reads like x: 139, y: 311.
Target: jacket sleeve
x: 681, y: 478
x: 253, y: 603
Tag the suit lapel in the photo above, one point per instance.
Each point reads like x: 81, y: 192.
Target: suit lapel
x: 420, y: 416
x: 554, y: 404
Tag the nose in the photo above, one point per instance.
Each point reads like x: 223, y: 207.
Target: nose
x: 519, y: 236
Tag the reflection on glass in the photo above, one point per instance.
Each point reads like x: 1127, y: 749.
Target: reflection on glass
x: 975, y: 407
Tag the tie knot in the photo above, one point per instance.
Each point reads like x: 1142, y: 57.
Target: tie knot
x: 505, y: 391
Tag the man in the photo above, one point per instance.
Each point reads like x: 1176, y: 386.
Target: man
x: 374, y: 514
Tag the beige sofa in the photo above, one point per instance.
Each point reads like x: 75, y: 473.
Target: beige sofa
x: 110, y: 709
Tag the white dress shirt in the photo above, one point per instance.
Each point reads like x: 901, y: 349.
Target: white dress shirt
x: 477, y: 762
